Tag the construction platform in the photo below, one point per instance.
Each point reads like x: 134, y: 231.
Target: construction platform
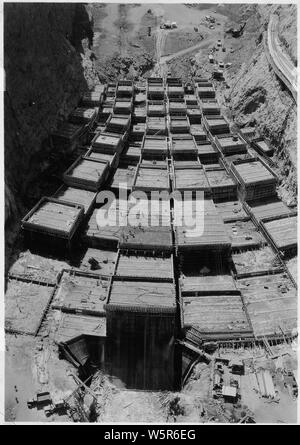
x: 216, y: 316
x: 84, y: 198
x: 183, y: 145
x: 271, y: 302
x: 81, y: 292
x: 151, y: 177
x: 53, y: 218
x: 255, y: 262
x: 207, y: 152
x: 230, y: 145
x: 267, y: 208
x: 244, y: 235
x: 74, y: 325
x: 131, y: 264
x: 123, y: 177
x: 256, y: 179
x: 281, y: 232
x: 99, y: 261
x: 87, y: 174
x: 222, y: 185
x: 210, y: 235
x: 111, y: 158
x: 216, y: 124
x: 191, y: 178
x: 108, y: 143
x: 154, y: 146
x: 231, y: 211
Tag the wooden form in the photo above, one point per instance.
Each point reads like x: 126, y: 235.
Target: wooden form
x: 123, y: 177
x: 100, y: 236
x: 256, y: 179
x: 281, y: 232
x: 139, y: 115
x: 231, y: 211
x: 133, y: 152
x: 207, y: 152
x: 191, y: 178
x: 134, y: 264
x: 53, y: 217
x: 156, y: 108
x: 73, y: 325
x: 175, y: 91
x: 99, y: 261
x: 125, y: 88
x: 183, y: 145
x: 229, y: 159
x: 179, y: 124
x: 221, y: 183
x: 141, y: 295
x: 87, y: 174
x: 84, y: 198
x: 205, y: 92
x: 108, y: 143
x: 260, y: 145
x: 177, y: 107
x: 138, y: 131
x: 26, y: 303
x: 149, y: 238
x: 244, y: 235
x: 154, y: 146
x: 216, y: 124
x: 254, y: 262
x: 111, y: 158
x: 267, y: 208
x: 209, y: 235
x: 81, y: 292
x: 194, y: 115
x: 198, y: 133
x: 92, y: 98
x: 155, y: 89
x: 150, y: 178
x: 83, y: 115
x: 123, y: 106
x: 229, y: 145
x: 210, y: 106
x: 156, y: 126
x: 271, y: 303
x: 118, y: 124
x: 194, y: 286
x: 216, y: 316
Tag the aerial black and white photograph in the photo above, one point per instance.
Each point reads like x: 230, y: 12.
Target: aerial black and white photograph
x: 150, y: 223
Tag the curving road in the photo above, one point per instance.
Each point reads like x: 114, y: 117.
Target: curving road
x: 282, y: 64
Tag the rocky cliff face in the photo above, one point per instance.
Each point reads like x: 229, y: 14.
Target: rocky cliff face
x: 47, y: 66
x: 257, y: 97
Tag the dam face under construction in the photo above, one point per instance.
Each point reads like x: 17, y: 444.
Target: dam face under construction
x: 142, y: 306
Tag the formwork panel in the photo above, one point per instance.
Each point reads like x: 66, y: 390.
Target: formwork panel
x: 212, y: 235
x: 282, y: 232
x: 256, y: 179
x: 25, y: 305
x: 83, y: 115
x: 80, y: 292
x: 221, y: 183
x: 149, y: 238
x: 107, y: 143
x: 207, y: 153
x: 206, y: 284
x: 271, y: 302
x: 191, y: 179
x: 99, y: 260
x: 184, y: 145
x: 86, y: 174
x: 268, y: 208
x: 118, y: 124
x: 216, y: 316
x: 156, y: 125
x: 73, y: 325
x: 151, y: 178
x: 130, y: 264
x: 156, y: 108
x: 142, y: 296
x: 230, y: 145
x: 231, y: 211
x: 53, y: 217
x: 96, y: 236
x: 123, y: 106
x: 78, y: 196
x: 255, y: 261
x: 31, y: 266
x: 111, y: 158
x: 179, y: 124
x: 197, y: 132
x: 155, y: 146
x: 244, y: 234
x: 92, y: 98
x: 194, y: 115
x: 216, y: 124
x: 123, y: 177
